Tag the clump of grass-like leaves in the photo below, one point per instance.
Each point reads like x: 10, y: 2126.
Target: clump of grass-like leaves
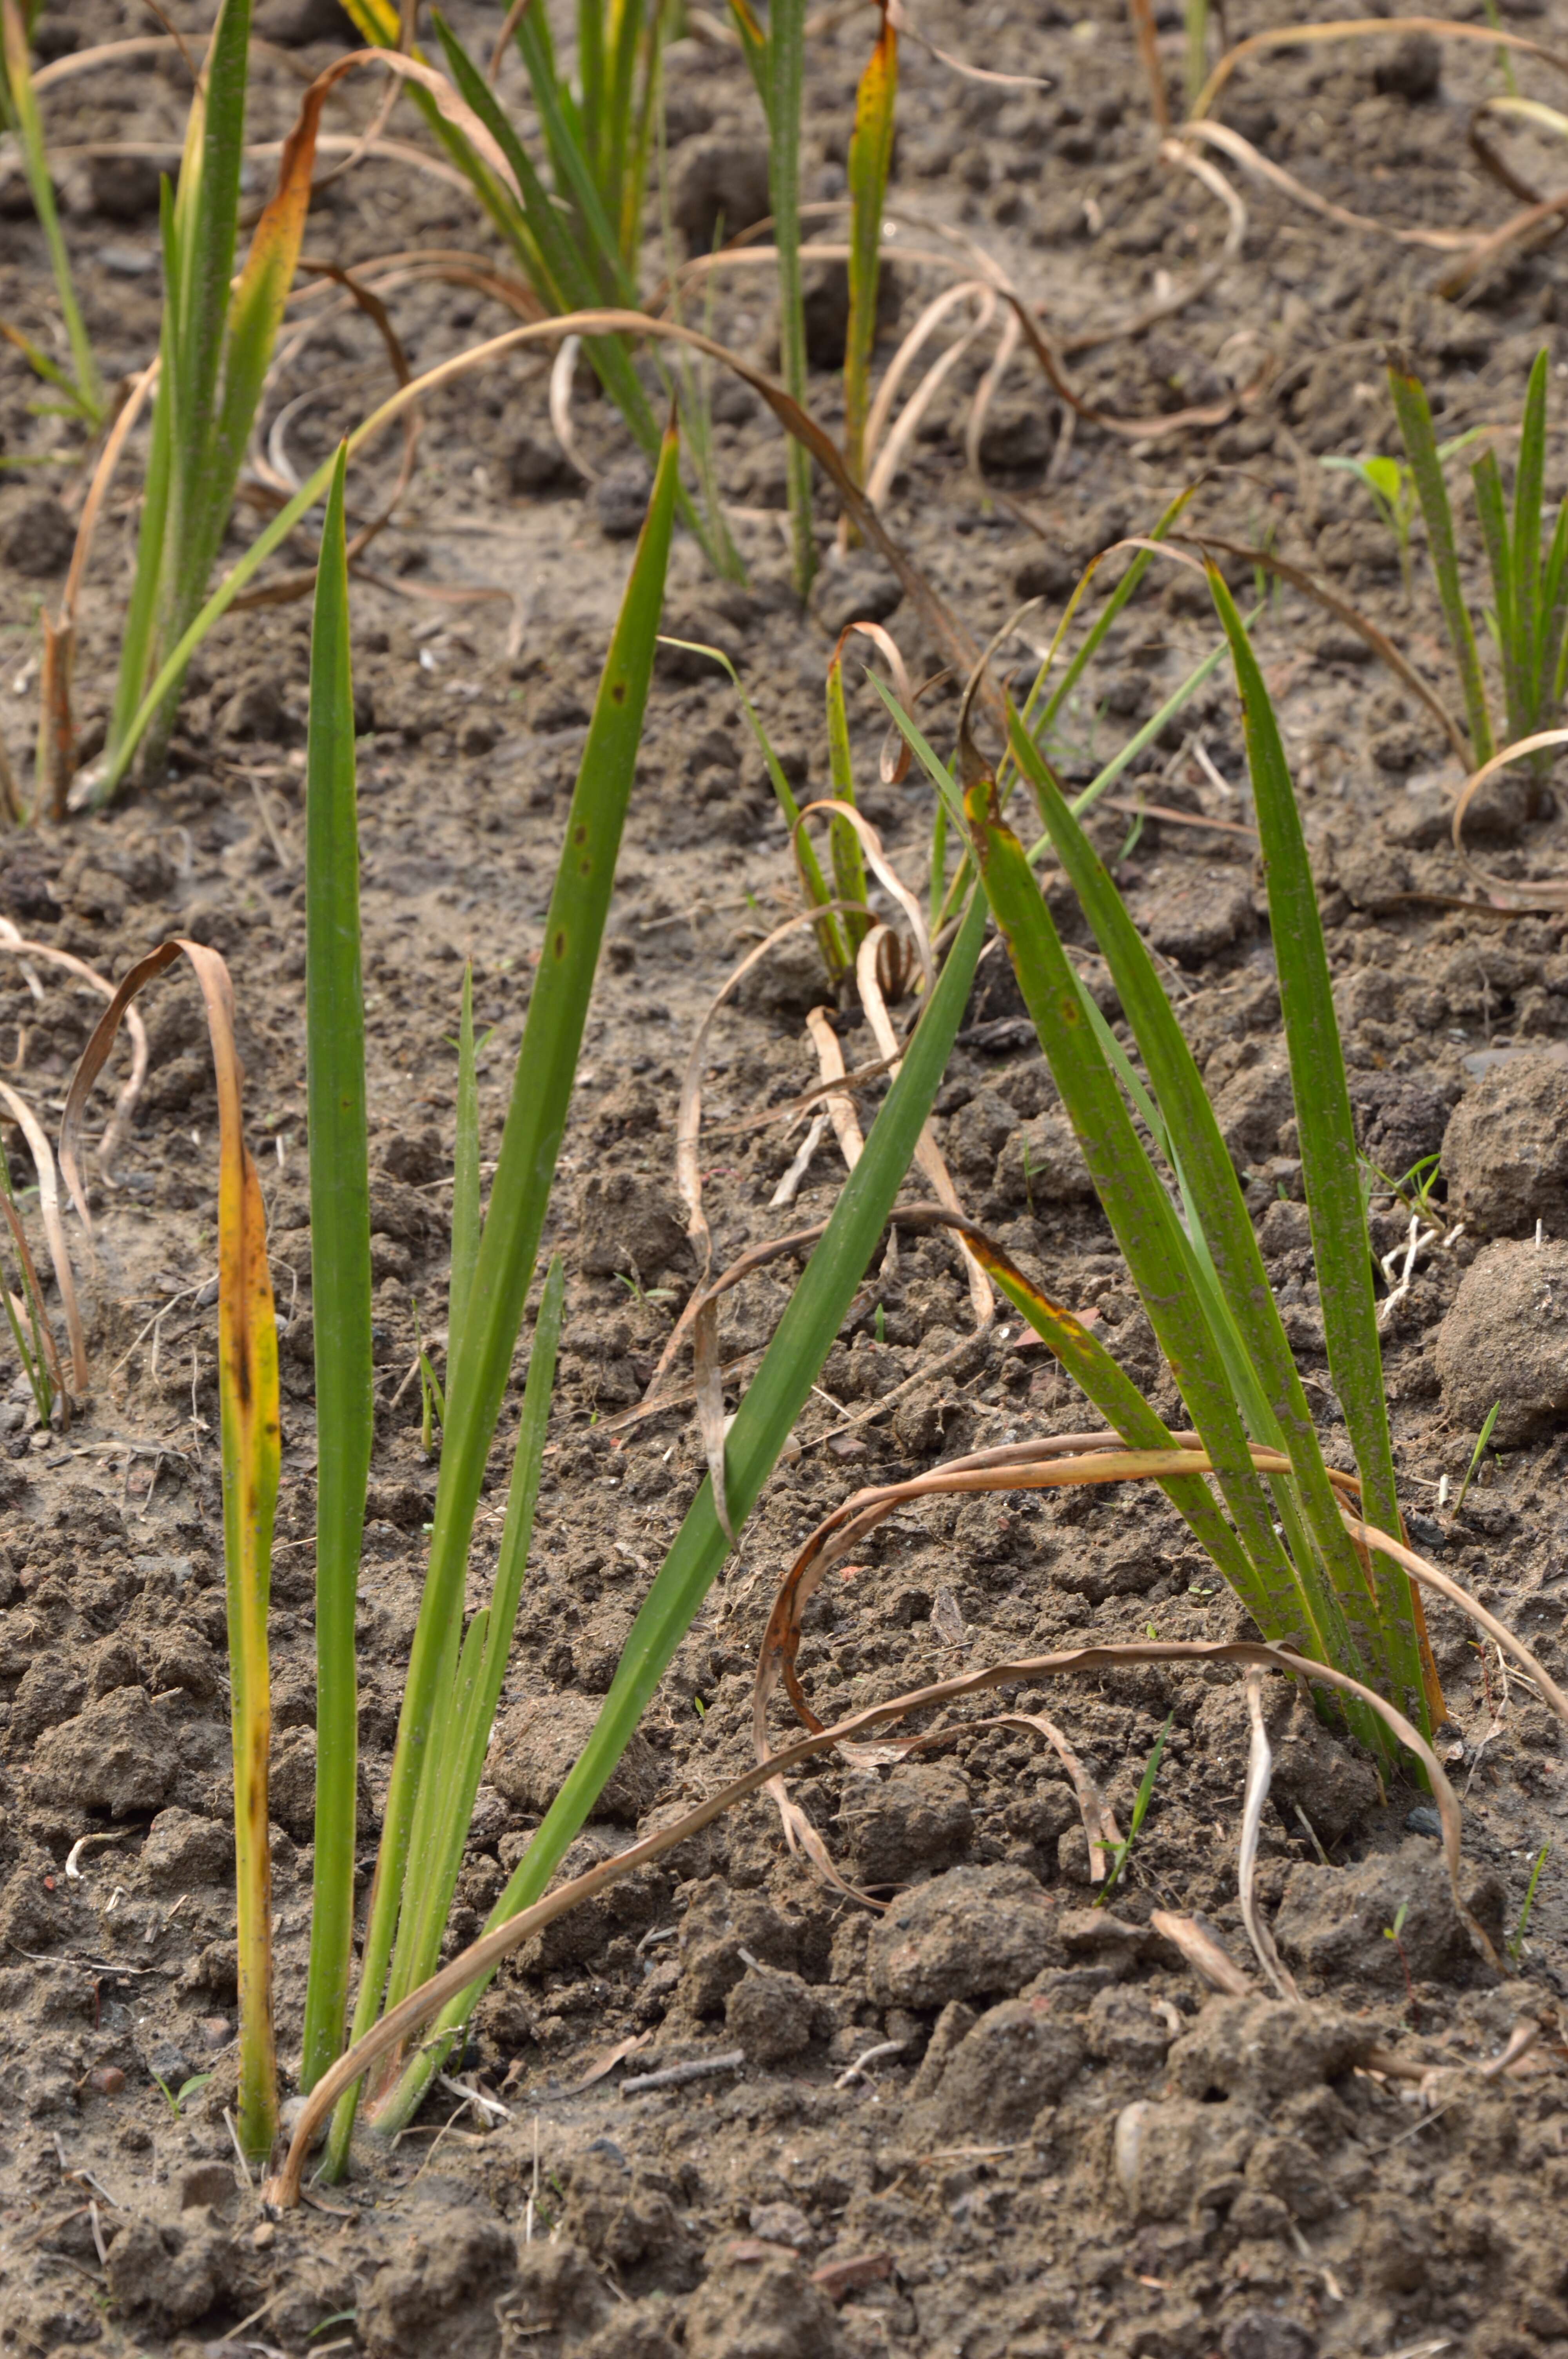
x: 1170, y: 1192
x: 1527, y: 617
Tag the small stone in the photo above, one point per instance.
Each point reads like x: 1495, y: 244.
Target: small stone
x: 863, y: 590
x: 264, y: 2235
x: 1190, y: 920
x: 536, y: 462
x: 1424, y: 1820
x: 771, y: 2015
x: 1042, y: 1163
x: 788, y: 983
x: 297, y: 24
x: 254, y: 713
x: 1017, y: 437
x: 1260, y: 2216
x: 216, y: 2032
x: 1263, y: 2334
x: 183, y: 1850
x: 719, y: 186
x: 1263, y: 2048
x: 119, y: 1755
x: 1401, y: 1119
x: 1504, y: 1340
x: 170, y: 2065
x: 1016, y: 2059
x: 38, y: 538
x: 759, y: 2303
x: 782, y: 2224
x: 1413, y: 72
x: 106, y: 2080
x: 536, y: 1744
x: 1334, y: 1922
x: 206, y: 2183
x: 124, y: 187
x: 918, y: 1820
x: 628, y: 1224
x: 974, y: 1932
x: 1505, y: 1151
x: 620, y: 501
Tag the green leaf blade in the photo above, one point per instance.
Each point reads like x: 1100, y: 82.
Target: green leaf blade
x: 1330, y: 1169
x: 339, y: 1231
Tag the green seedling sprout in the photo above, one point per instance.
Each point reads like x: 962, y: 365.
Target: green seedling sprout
x: 1515, y: 1942
x: 1392, y: 1933
x: 82, y: 391
x: 1528, y: 618
x: 1476, y: 1455
x: 1122, y: 1852
x: 178, y: 2098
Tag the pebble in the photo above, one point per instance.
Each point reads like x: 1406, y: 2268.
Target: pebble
x: 1424, y: 1820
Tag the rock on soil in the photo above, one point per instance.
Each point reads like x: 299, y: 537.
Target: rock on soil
x: 118, y: 1755
x: 755, y: 2304
x: 1504, y: 1340
x: 1334, y: 1922
x: 1016, y: 2059
x: 537, y: 1742
x: 1505, y: 1151
x: 628, y: 1225
x: 969, y: 1934
x: 39, y: 537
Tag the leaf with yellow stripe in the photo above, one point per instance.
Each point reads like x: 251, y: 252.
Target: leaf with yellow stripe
x: 248, y: 1399
x: 871, y: 161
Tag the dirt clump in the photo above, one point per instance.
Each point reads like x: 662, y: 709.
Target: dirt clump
x: 1505, y: 1341
x: 1505, y: 1151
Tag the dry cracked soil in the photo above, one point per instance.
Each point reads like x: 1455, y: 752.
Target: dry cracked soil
x: 1061, y: 2141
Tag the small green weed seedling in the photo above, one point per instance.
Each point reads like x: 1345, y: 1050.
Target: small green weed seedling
x: 1516, y: 1941
x: 1527, y: 619
x: 1122, y: 1852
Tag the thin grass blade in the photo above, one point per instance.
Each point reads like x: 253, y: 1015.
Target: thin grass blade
x: 248, y: 1400
x: 1332, y: 1582
x: 786, y: 83
x: 848, y: 865
x: 1143, y: 1219
x: 1414, y: 415
x: 455, y: 1777
x: 1341, y: 1246
x: 763, y: 1424
x: 871, y: 161
x: 18, y: 100
x: 1492, y: 515
x: 1530, y: 481
x: 341, y: 1279
x: 509, y: 1242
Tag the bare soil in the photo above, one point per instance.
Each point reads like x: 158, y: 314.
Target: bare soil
x: 1061, y: 2141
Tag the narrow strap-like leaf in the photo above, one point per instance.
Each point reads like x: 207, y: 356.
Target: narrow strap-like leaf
x: 1142, y: 1216
x: 340, y: 1275
x: 773, y: 1402
x: 1529, y: 484
x: 1330, y: 1169
x: 465, y: 1183
x: 535, y: 1121
x: 1492, y: 515
x: 848, y: 865
x: 1340, y: 1603
x: 871, y: 161
x: 1414, y: 416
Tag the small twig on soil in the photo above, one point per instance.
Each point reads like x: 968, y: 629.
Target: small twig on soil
x: 856, y: 2071
x: 675, y: 2076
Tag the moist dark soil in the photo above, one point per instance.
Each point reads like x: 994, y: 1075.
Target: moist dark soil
x: 1061, y: 2140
